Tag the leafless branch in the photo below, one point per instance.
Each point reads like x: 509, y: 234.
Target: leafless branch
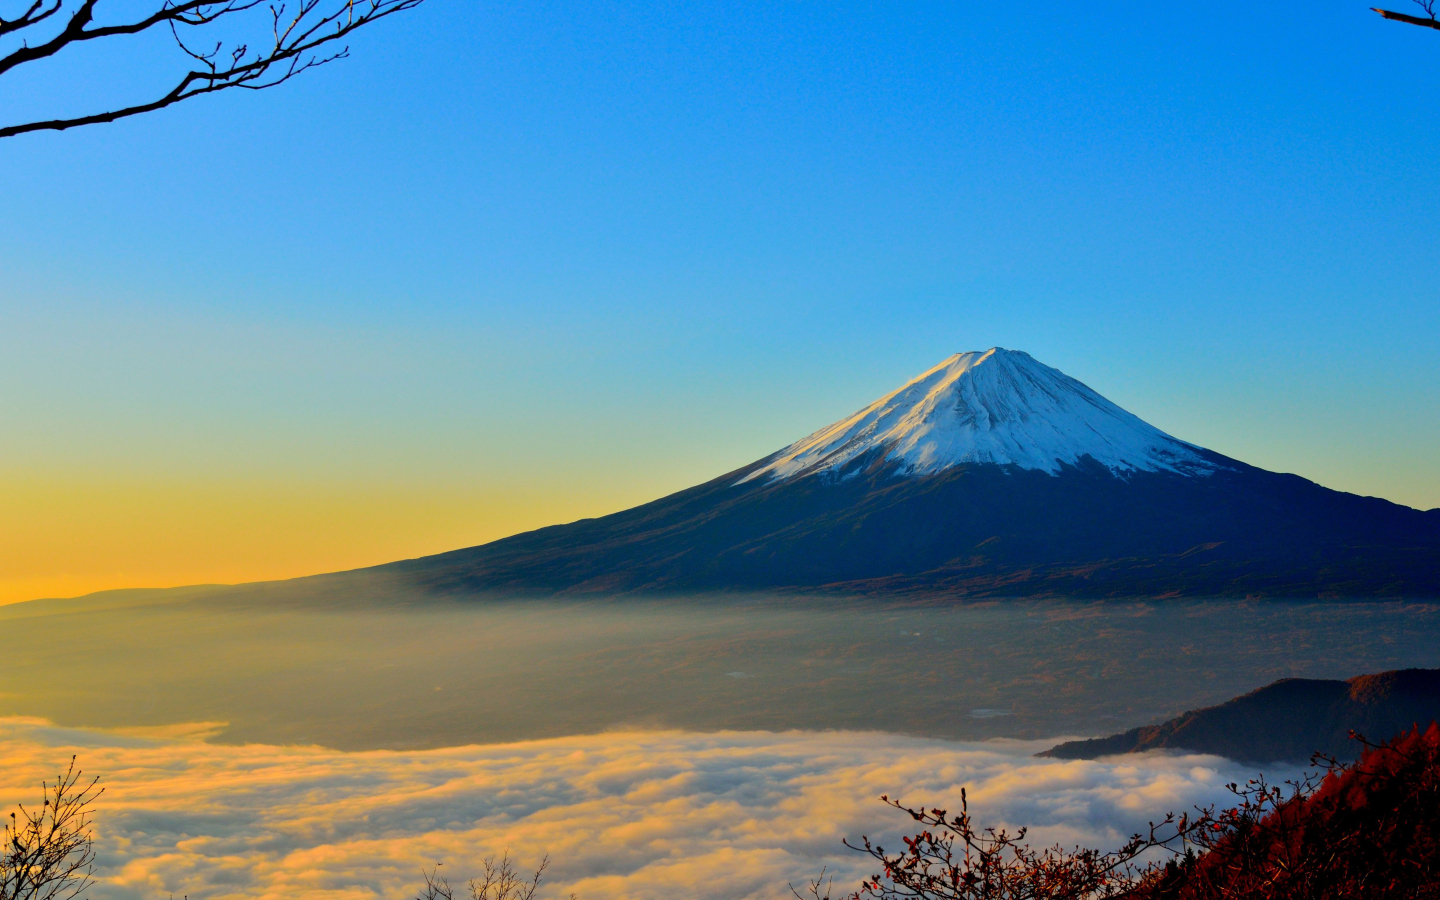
x: 1428, y: 22
x: 49, y: 852
x: 37, y: 12
x: 952, y: 859
x: 302, y: 34
x: 501, y: 881
x: 436, y: 886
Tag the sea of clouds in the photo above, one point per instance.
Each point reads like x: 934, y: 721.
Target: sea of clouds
x: 660, y: 814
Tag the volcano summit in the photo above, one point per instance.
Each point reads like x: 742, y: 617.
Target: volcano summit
x: 990, y: 474
x: 999, y: 407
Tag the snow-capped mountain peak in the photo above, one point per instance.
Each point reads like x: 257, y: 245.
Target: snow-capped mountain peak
x: 996, y: 406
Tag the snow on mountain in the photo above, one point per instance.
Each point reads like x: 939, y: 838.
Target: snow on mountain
x: 997, y: 406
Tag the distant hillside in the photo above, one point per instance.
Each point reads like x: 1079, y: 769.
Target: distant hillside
x: 1288, y: 720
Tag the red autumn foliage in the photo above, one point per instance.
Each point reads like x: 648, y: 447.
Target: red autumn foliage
x: 1369, y: 829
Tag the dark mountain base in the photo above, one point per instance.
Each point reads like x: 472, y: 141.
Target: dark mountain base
x: 1288, y: 720
x: 973, y: 531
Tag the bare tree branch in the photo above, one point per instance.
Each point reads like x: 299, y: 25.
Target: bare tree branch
x: 502, y: 881
x: 954, y: 859
x: 1427, y: 5
x: 48, y: 853
x: 301, y: 36
x: 38, y: 12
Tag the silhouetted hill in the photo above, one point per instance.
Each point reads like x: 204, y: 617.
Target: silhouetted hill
x: 1368, y: 830
x: 1288, y: 720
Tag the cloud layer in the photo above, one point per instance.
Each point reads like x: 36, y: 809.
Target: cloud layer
x: 636, y: 815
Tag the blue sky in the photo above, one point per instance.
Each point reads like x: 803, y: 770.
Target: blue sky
x: 538, y: 261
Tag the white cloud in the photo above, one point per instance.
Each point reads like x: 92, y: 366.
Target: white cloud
x: 636, y: 815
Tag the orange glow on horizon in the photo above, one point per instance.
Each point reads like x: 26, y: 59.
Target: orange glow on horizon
x: 65, y: 538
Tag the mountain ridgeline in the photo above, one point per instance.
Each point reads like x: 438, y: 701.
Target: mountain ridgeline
x: 990, y: 475
x: 1288, y: 720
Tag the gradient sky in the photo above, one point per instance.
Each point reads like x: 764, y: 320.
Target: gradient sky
x: 514, y: 264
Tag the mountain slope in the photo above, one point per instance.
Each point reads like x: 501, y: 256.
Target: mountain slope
x: 1000, y: 406
x: 1287, y: 720
x: 989, y: 475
